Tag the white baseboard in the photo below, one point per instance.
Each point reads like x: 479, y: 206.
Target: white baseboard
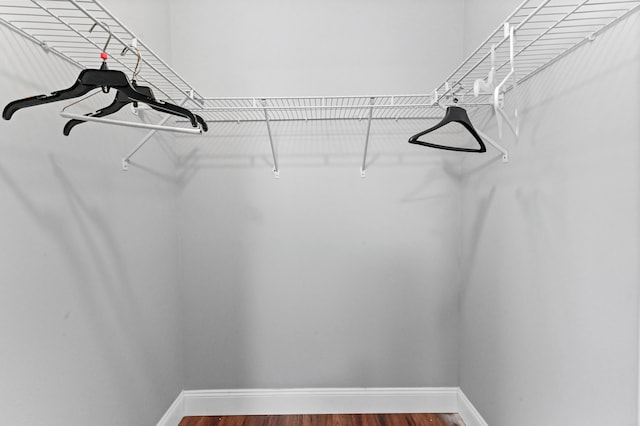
x: 468, y: 412
x: 321, y: 401
x: 175, y: 413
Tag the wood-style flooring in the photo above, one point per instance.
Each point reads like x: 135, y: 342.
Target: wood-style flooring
x: 328, y: 420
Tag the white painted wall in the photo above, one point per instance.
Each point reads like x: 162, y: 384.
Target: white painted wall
x: 549, y: 314
x: 89, y: 303
x: 320, y: 278
x: 334, y: 47
x: 149, y: 20
x: 482, y: 17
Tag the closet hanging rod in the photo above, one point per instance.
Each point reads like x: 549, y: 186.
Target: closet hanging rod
x: 130, y: 124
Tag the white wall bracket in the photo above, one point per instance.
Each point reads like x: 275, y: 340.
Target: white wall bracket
x: 490, y: 141
x: 160, y: 126
x: 483, y: 86
x: 276, y: 170
x: 496, y: 145
x: 498, y: 92
x: 363, y: 167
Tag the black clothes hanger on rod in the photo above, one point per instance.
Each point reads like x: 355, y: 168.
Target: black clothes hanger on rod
x: 454, y: 114
x: 121, y: 100
x: 104, y: 78
x: 90, y: 79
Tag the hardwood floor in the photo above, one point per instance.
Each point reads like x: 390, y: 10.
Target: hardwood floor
x: 329, y: 420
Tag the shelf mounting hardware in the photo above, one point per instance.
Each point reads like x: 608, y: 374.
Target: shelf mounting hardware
x: 363, y: 172
x: 276, y: 170
x: 490, y: 141
x: 498, y: 92
x: 126, y: 160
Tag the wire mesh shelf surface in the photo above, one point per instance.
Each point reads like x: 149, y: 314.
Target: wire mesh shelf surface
x: 62, y: 28
x: 319, y: 108
x: 545, y: 31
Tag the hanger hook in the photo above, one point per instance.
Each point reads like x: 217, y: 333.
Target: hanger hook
x: 104, y: 25
x: 136, y: 70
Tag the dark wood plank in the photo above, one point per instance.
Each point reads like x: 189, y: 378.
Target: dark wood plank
x: 328, y: 420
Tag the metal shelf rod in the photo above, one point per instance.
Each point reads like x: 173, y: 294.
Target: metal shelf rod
x: 366, y: 142
x: 276, y: 171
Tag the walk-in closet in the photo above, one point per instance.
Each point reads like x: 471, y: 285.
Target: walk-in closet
x: 357, y: 212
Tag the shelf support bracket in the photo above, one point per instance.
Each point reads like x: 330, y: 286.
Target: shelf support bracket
x: 505, y: 153
x: 498, y: 95
x: 126, y: 160
x: 493, y: 143
x: 363, y: 172
x: 276, y: 170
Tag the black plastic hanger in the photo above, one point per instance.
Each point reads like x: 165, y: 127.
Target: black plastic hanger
x: 121, y: 100
x: 90, y: 79
x: 453, y: 114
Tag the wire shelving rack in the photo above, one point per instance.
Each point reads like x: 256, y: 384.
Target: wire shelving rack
x: 545, y: 31
x: 536, y: 35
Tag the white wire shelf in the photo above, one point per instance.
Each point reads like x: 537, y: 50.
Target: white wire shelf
x: 62, y: 27
x: 311, y: 108
x: 545, y: 31
x: 534, y: 36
